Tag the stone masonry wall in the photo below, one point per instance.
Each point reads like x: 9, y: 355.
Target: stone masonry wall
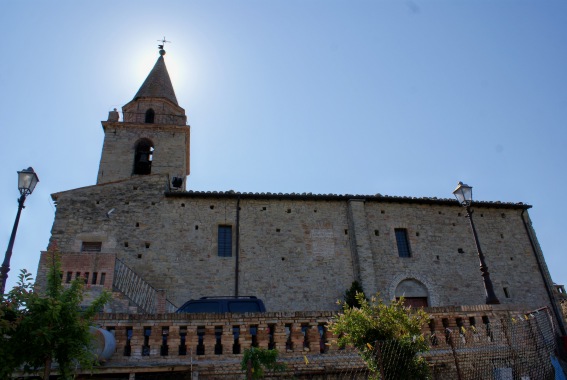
x: 296, y: 253
x: 171, y: 154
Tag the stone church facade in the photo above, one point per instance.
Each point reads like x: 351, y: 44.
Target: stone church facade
x: 141, y: 234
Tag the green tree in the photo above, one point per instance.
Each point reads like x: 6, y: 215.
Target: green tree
x: 43, y: 328
x: 388, y: 337
x: 350, y: 295
x: 260, y: 360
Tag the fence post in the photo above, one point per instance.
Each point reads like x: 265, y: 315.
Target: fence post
x: 380, y: 363
x: 459, y: 377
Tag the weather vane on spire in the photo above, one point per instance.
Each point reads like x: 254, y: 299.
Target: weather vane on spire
x: 163, y: 42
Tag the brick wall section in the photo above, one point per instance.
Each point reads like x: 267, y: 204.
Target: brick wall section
x: 100, y: 263
x: 136, y: 362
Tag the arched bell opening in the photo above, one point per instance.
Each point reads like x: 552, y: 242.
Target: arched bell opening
x: 143, y: 157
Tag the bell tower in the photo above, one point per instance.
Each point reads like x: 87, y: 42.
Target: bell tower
x: 153, y: 136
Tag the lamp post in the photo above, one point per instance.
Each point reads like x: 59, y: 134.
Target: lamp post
x: 27, y: 179
x: 463, y: 193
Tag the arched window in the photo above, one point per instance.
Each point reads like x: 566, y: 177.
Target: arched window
x: 414, y: 292
x: 150, y: 116
x: 144, y: 156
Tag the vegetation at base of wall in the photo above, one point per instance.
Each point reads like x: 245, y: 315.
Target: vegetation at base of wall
x: 350, y: 294
x: 257, y: 360
x: 388, y: 337
x: 38, y: 329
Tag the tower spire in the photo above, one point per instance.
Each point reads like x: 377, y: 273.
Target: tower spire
x: 158, y: 84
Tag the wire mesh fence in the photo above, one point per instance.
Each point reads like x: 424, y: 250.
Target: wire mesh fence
x: 518, y: 348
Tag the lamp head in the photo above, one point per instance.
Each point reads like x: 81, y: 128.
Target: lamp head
x: 463, y: 193
x: 27, y: 179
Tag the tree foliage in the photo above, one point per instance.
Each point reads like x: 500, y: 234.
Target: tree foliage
x: 260, y: 360
x: 350, y: 295
x: 395, y: 327
x: 38, y: 329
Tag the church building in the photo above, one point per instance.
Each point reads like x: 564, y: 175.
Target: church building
x: 143, y: 234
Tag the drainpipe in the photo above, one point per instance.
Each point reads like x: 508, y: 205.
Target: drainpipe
x: 548, y: 288
x: 236, y: 255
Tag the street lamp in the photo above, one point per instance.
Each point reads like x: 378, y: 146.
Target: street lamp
x: 463, y: 193
x: 27, y: 179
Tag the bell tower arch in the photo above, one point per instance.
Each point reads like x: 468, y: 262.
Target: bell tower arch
x: 153, y: 135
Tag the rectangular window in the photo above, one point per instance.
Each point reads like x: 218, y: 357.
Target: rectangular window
x: 102, y: 278
x: 93, y: 281
x: 225, y: 241
x: 91, y: 246
x: 403, y: 242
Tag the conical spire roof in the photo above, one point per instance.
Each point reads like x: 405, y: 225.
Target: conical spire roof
x: 157, y: 84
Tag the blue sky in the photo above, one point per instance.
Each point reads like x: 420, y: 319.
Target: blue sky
x: 360, y: 97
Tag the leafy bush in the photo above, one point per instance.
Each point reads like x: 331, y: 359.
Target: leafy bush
x: 388, y: 337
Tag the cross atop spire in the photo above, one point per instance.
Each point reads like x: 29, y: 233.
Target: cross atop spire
x: 160, y: 47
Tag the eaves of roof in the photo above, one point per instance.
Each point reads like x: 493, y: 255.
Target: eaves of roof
x: 342, y: 197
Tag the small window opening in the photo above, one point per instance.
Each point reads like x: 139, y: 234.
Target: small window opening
x: 218, y: 340
x: 382, y: 211
x: 137, y: 224
x: 376, y: 233
x: 271, y: 340
x: 503, y: 215
x: 126, y: 244
x: 77, y: 275
x: 323, y: 347
x: 417, y: 234
x: 459, y: 214
x: 94, y: 278
x: 135, y: 187
x: 212, y: 207
x: 196, y: 227
x: 128, y: 345
x: 164, y: 349
x: 143, y: 157
x: 146, y: 346
x: 283, y: 258
x: 314, y: 210
x: 97, y: 202
x: 346, y: 232
x: 126, y: 203
x: 183, y: 340
x: 445, y: 322
x: 236, y: 339
x: 102, y: 278
x: 263, y: 208
x: 91, y: 246
x: 433, y: 337
x: 402, y: 242
x: 488, y: 327
x: 511, y: 259
x: 153, y: 203
x: 147, y: 245
x: 472, y: 322
x: 305, y: 332
x: 254, y: 334
x: 501, y: 236
x: 150, y: 116
x: 225, y: 241
x: 69, y: 277
x: 288, y: 211
x: 86, y: 276
x: 139, y: 255
x: 288, y: 341
x: 437, y: 257
x: 460, y: 250
x: 440, y: 213
x: 506, y: 292
x: 278, y: 230
x: 482, y: 215
x: 182, y: 204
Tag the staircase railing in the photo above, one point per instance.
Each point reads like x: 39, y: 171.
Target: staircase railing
x: 137, y: 290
